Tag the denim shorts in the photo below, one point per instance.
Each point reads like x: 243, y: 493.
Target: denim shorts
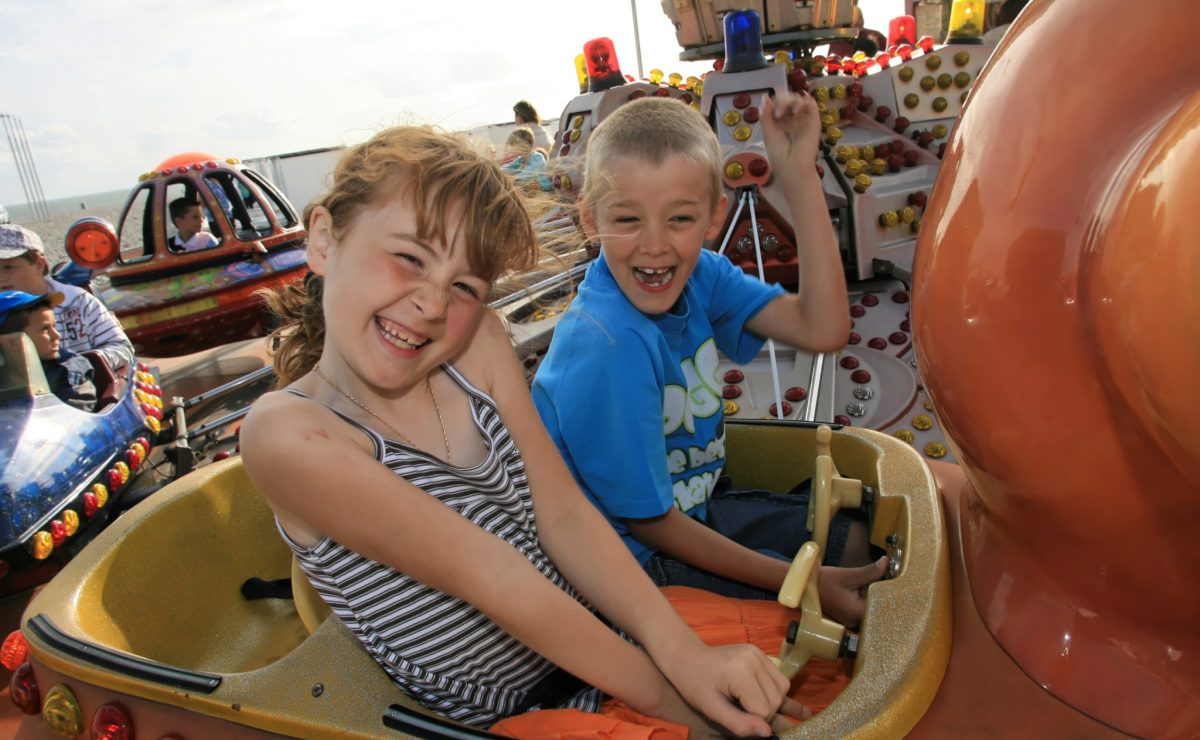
x: 774, y: 524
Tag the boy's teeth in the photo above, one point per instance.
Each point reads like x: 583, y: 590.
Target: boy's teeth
x: 654, y: 275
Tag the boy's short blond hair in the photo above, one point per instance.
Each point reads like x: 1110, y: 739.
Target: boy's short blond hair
x: 651, y: 129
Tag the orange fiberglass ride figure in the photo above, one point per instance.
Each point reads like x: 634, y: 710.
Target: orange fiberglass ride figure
x: 197, y: 237
x: 1046, y: 590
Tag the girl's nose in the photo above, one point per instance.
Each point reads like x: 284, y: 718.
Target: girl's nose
x: 431, y: 300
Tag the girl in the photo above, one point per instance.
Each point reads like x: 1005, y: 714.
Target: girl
x: 409, y: 472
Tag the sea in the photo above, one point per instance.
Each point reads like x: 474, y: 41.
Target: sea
x: 65, y: 211
x: 21, y: 212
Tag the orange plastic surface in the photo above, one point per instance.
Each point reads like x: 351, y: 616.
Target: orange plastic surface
x: 1057, y: 325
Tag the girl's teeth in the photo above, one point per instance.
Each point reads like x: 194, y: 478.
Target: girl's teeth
x: 400, y: 339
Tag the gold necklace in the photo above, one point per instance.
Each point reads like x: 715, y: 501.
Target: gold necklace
x: 428, y: 386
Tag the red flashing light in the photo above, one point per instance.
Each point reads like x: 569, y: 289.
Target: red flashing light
x: 14, y: 651
x: 926, y: 43
x: 91, y: 504
x: 757, y: 167
x: 112, y: 722
x: 182, y: 169
x: 602, y: 68
x: 23, y: 690
x: 883, y: 59
x: 902, y: 30
x: 92, y: 243
x: 904, y: 51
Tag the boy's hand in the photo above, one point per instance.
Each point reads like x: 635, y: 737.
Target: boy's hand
x: 791, y: 132
x: 735, y: 686
x: 844, y: 591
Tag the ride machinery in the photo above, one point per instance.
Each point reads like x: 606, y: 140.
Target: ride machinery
x: 173, y: 302
x: 885, y: 120
x: 1041, y: 586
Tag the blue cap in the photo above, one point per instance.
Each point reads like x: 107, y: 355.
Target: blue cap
x: 11, y: 300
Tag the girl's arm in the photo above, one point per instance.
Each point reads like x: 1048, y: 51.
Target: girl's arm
x: 817, y: 316
x: 590, y: 554
x: 318, y: 476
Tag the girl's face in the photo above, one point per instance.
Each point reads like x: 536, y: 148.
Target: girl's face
x: 396, y: 307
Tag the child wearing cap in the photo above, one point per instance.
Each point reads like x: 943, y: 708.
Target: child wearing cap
x: 69, y: 375
x: 83, y: 322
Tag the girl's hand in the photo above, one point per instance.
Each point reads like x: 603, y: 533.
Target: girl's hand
x: 735, y: 686
x: 791, y: 132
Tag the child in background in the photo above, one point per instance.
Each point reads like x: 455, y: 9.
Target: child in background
x: 83, y: 322
x: 526, y: 164
x: 629, y: 389
x: 69, y: 375
x: 526, y: 117
x: 409, y: 474
x: 191, y: 228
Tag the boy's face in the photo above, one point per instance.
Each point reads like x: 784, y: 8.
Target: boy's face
x: 190, y: 223
x: 653, y: 222
x: 43, y: 333
x: 17, y: 273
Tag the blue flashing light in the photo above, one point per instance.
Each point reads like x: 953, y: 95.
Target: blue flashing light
x: 743, y: 42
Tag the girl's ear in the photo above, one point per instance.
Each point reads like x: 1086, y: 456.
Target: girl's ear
x: 718, y: 218
x: 320, y: 239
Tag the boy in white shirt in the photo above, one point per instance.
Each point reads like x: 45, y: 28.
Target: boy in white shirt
x: 191, y: 229
x: 83, y: 322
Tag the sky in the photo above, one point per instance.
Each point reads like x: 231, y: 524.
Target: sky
x: 106, y: 89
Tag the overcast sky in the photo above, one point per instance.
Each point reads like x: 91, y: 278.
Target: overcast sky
x: 106, y: 89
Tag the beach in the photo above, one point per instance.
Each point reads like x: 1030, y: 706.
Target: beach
x: 65, y: 212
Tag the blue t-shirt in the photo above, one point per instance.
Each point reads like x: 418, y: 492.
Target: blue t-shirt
x: 633, y: 401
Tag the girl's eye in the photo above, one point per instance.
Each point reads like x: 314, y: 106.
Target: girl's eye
x: 683, y: 219
x: 626, y: 219
x: 412, y: 259
x: 467, y: 289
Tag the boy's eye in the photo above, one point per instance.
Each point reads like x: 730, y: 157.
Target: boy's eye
x: 411, y: 259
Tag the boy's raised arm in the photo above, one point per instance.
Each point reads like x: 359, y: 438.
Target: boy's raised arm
x: 817, y: 316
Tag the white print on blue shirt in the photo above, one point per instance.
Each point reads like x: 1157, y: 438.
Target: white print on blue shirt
x: 681, y: 407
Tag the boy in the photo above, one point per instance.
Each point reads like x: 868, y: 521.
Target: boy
x: 69, y: 375
x: 83, y: 322
x: 628, y: 390
x: 190, y: 227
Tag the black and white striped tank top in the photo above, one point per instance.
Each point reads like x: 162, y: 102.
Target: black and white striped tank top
x: 441, y: 650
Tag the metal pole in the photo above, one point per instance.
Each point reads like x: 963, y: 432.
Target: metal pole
x: 12, y: 148
x: 37, y: 182
x: 637, y: 39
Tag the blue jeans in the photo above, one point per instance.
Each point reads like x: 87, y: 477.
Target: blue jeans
x: 774, y: 524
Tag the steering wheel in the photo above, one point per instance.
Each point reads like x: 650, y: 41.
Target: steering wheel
x: 813, y: 634
x: 830, y: 491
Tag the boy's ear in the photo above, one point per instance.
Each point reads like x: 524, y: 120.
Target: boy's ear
x: 718, y: 218
x: 587, y: 219
x: 320, y: 239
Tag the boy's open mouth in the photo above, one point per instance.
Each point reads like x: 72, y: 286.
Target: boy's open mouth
x: 399, y: 336
x: 654, y: 277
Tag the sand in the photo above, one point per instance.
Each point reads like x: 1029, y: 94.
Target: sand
x: 54, y: 230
